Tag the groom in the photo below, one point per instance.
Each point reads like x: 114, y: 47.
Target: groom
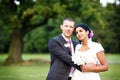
x: 61, y: 66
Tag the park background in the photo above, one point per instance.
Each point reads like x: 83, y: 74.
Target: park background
x: 27, y: 25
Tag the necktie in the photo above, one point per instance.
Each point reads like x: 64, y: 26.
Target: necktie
x: 69, y: 42
x: 71, y: 69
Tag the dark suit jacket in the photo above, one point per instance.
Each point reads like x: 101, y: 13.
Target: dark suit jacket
x: 60, y: 59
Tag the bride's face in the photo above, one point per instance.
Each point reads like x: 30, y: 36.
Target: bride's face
x: 81, y: 34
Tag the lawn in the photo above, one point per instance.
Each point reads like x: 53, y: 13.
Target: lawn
x: 27, y: 71
x: 38, y: 70
x: 114, y: 68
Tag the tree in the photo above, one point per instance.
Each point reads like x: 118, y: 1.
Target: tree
x: 22, y: 18
x: 113, y: 17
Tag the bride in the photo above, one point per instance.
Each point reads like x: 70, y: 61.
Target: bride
x: 88, y: 52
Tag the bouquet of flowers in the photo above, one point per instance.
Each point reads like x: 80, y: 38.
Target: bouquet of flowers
x: 78, y: 59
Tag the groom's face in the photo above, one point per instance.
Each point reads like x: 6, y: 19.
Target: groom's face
x: 67, y: 28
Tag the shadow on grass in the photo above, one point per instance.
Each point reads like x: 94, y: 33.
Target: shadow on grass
x: 30, y: 62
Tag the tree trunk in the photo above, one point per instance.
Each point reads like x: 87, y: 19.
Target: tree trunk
x: 15, y: 49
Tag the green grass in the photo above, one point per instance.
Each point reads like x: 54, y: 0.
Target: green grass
x: 113, y: 72
x: 28, y: 71
x: 38, y: 70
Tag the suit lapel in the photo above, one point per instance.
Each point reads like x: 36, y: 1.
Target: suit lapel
x: 62, y: 42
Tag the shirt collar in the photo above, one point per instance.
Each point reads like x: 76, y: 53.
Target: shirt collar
x: 65, y: 38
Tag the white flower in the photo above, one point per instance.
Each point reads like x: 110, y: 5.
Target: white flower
x: 78, y: 59
x: 67, y: 45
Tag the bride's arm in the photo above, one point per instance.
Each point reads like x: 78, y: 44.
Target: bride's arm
x: 90, y: 67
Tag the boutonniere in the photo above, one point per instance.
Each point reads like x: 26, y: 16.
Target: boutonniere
x: 67, y: 45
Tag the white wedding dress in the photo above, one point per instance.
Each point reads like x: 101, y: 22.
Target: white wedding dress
x: 82, y: 57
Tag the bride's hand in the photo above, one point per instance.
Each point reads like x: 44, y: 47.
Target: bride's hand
x: 88, y: 67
